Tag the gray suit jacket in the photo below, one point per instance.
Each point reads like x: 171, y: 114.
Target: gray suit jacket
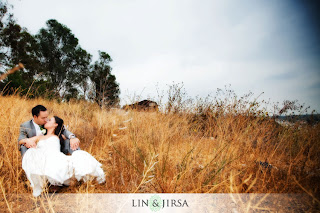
x: 27, y: 130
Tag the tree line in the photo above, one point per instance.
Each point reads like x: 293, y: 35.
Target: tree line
x: 55, y: 65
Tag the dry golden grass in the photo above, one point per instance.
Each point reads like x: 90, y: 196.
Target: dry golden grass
x: 153, y: 152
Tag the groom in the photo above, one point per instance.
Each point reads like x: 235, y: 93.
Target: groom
x: 35, y: 127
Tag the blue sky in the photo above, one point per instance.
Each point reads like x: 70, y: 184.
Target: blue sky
x: 259, y: 46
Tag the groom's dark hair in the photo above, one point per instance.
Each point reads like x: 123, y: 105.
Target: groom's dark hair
x: 36, y: 110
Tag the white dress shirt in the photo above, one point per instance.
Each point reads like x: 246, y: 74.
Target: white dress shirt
x: 37, y: 127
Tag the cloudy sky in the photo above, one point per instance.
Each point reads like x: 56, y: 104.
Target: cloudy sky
x: 260, y: 46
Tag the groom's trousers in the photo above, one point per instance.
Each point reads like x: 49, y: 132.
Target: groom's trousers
x: 66, y: 148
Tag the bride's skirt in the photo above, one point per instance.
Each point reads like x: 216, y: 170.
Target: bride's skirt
x: 41, y: 166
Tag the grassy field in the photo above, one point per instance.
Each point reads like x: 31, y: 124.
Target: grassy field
x: 208, y: 151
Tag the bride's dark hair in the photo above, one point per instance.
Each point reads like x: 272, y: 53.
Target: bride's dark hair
x: 59, y: 130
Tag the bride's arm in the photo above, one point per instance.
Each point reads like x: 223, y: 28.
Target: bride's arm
x: 34, y: 139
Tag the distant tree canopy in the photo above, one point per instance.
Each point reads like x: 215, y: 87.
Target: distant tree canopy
x: 55, y: 64
x: 106, y: 88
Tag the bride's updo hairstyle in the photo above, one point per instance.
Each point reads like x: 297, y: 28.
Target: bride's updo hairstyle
x: 59, y: 129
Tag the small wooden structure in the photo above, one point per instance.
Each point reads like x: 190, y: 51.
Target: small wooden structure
x: 145, y: 105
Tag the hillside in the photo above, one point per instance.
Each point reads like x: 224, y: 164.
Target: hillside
x: 153, y: 152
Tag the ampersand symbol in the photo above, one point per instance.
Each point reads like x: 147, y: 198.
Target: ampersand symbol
x: 155, y: 203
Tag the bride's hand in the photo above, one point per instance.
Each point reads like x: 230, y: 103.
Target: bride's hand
x: 29, y: 143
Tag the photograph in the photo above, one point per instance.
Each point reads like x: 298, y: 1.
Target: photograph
x: 159, y: 106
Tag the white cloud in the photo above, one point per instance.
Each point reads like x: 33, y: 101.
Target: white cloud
x: 205, y: 44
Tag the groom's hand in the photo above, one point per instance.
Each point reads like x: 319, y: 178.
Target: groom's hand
x: 30, y: 144
x: 74, y: 143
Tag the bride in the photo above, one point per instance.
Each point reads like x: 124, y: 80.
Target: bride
x: 46, y: 162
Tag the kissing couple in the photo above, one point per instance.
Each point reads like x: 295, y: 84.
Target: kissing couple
x: 44, y: 143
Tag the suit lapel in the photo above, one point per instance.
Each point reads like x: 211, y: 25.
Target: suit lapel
x: 33, y: 129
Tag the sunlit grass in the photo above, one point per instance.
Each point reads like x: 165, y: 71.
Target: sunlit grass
x: 213, y: 150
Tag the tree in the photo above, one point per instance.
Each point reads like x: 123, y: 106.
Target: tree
x: 18, y: 46
x: 66, y: 63
x: 5, y: 18
x: 106, y: 89
x: 55, y: 64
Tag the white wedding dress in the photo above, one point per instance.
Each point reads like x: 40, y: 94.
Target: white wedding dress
x: 46, y: 162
